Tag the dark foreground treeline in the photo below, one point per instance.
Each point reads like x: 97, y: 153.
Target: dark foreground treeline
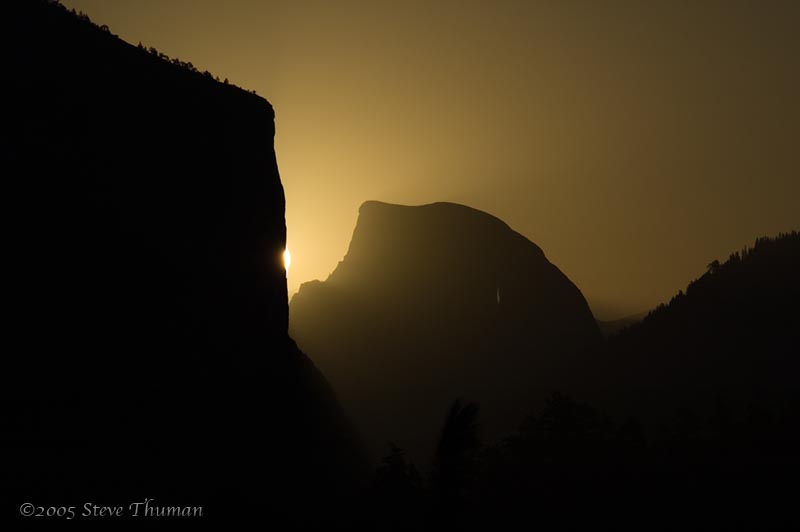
x: 571, y: 467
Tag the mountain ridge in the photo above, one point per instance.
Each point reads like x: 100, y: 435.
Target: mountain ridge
x: 727, y: 337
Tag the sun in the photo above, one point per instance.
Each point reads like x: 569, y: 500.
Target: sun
x: 287, y: 260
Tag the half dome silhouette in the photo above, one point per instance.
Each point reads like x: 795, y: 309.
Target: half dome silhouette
x: 435, y: 302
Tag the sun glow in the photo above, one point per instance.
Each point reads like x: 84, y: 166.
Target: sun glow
x: 287, y: 260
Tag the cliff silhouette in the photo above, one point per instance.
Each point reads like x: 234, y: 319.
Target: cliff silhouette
x: 436, y: 302
x: 147, y: 352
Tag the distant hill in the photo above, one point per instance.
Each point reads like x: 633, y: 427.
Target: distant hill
x: 612, y: 327
x: 732, y: 335
x: 432, y: 303
x: 146, y: 351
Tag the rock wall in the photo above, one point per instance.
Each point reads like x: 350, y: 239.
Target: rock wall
x: 145, y: 295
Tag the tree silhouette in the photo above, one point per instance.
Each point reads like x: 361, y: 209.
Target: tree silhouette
x: 397, y: 493
x: 455, y: 465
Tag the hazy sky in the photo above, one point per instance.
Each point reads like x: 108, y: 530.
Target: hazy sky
x: 633, y: 141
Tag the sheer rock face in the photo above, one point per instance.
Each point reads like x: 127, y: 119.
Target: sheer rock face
x: 144, y: 229
x: 436, y: 302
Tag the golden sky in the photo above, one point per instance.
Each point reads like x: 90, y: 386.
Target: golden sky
x: 633, y: 141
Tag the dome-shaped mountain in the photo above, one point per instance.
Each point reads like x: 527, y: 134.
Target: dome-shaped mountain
x: 436, y: 302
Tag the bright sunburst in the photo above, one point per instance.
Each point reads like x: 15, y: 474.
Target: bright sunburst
x: 287, y: 260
